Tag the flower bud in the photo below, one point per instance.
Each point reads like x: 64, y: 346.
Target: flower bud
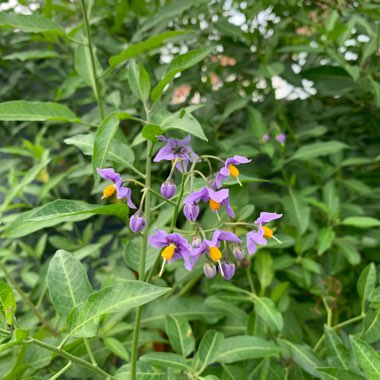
x: 191, y: 212
x: 228, y: 270
x: 238, y: 252
x: 137, y: 222
x: 197, y: 241
x: 211, y: 182
x: 168, y: 188
x: 209, y: 270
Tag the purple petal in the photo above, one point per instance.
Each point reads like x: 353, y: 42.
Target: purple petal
x: 214, y: 242
x: 258, y: 236
x: 159, y: 239
x: 236, y: 160
x: 229, y: 210
x: 266, y: 217
x: 109, y: 174
x: 196, y: 196
x: 165, y: 153
x: 229, y: 236
x: 218, y: 196
x: 228, y: 270
x: 125, y: 192
x: 251, y: 246
x: 191, y: 212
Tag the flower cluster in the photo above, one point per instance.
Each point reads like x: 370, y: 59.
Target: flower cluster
x: 173, y: 245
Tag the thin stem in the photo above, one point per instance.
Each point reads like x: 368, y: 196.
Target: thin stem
x: 62, y: 371
x: 66, y: 355
x: 190, y: 284
x: 92, y: 59
x: 26, y: 299
x: 135, y: 342
x: 214, y: 157
x: 250, y: 280
x: 90, y: 353
x: 328, y: 310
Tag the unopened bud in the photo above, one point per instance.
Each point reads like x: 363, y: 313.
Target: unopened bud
x: 211, y: 182
x: 168, y: 188
x: 137, y: 222
x: 191, y: 212
x: 228, y: 270
x: 238, y: 252
x: 209, y: 270
x: 197, y: 241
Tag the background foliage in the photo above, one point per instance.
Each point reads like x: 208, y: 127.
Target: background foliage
x: 257, y: 69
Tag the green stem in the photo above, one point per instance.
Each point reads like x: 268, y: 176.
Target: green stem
x: 62, y: 371
x: 92, y: 59
x: 250, y: 280
x: 68, y: 356
x: 90, y: 353
x: 27, y: 301
x: 135, y: 342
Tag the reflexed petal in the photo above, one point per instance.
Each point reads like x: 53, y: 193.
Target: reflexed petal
x: 159, y: 239
x: 229, y: 210
x: 236, y: 160
x: 217, y: 196
x: 251, y: 246
x: 109, y: 174
x: 196, y: 196
x: 266, y: 217
x: 229, y: 236
x: 125, y: 192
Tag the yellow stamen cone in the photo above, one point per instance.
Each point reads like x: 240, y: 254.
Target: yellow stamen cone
x: 268, y: 233
x: 214, y: 205
x: 234, y: 171
x: 109, y: 191
x: 168, y: 252
x: 215, y: 254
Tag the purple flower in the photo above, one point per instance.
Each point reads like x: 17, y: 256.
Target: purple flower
x: 262, y: 233
x: 227, y: 269
x: 230, y: 169
x: 209, y: 270
x: 216, y: 199
x: 121, y: 191
x: 266, y: 137
x: 211, y: 247
x: 176, y: 149
x: 168, y: 188
x: 175, y: 247
x: 281, y: 138
x: 137, y: 222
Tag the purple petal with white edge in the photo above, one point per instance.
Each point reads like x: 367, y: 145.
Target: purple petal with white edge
x: 196, y: 196
x: 218, y: 196
x: 159, y: 239
x: 251, y: 245
x: 236, y: 160
x: 109, y: 174
x: 266, y: 217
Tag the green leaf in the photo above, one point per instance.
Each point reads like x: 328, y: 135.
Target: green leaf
x: 28, y: 177
x: 8, y: 302
x: 310, y: 151
x: 141, y: 47
x: 246, y: 347
x: 166, y: 360
x: 209, y: 349
x: 84, y: 319
x: 29, y: 23
x: 348, y: 250
x: 257, y: 123
x: 328, y: 373
x: 102, y: 143
x: 180, y: 335
x: 184, y: 121
x: 151, y: 131
x: 297, y: 210
x: 117, y: 348
x: 267, y: 310
x: 132, y: 255
x: 367, y: 358
x: 67, y: 282
x: 303, y: 356
x: 179, y: 64
x: 337, y: 353
x: 326, y: 237
x: 22, y: 110
x: 65, y: 207
x: 361, y: 222
x: 31, y: 54
x: 367, y: 281
x: 117, y: 152
x: 139, y: 81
